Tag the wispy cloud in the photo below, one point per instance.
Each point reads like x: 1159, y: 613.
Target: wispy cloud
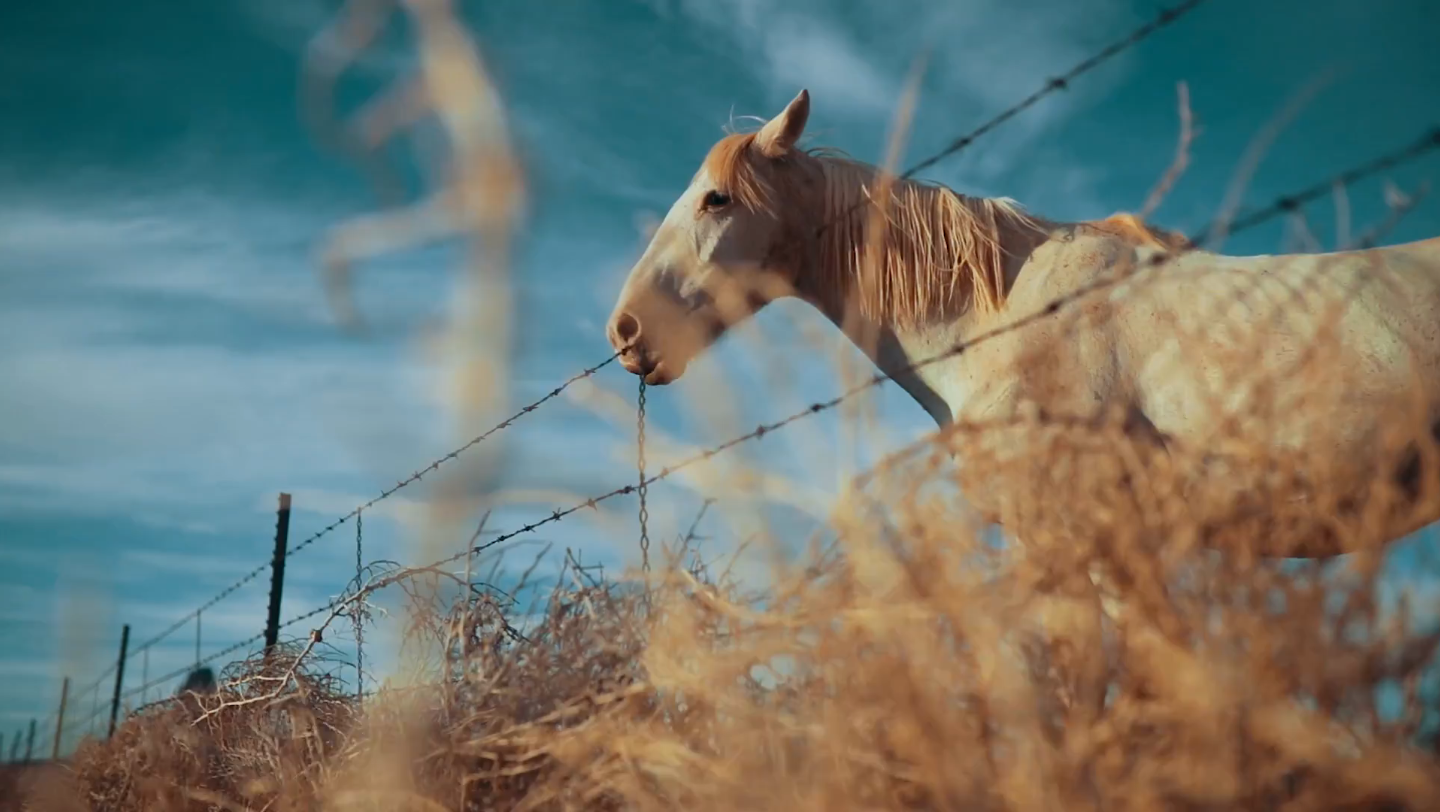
x: 983, y: 57
x: 183, y: 335
x: 793, y: 45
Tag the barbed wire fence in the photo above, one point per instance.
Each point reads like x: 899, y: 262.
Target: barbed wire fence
x: 1284, y: 204
x: 1246, y: 219
x: 89, y: 720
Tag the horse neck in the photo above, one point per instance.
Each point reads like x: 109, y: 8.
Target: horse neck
x: 829, y: 278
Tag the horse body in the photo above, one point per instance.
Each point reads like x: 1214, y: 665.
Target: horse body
x: 1345, y: 344
x: 1343, y: 348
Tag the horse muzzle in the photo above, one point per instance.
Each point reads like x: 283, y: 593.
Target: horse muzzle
x: 637, y: 360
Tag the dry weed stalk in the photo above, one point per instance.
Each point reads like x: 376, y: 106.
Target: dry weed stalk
x: 479, y: 197
x: 1182, y: 154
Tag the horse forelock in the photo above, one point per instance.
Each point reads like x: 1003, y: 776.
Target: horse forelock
x: 731, y: 165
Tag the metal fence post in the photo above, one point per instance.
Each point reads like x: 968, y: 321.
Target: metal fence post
x: 277, y: 572
x: 119, y: 678
x: 60, y: 720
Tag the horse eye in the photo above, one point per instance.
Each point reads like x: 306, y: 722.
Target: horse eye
x: 715, y: 200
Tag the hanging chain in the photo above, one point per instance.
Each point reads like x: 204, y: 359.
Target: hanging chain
x: 357, y: 610
x: 640, y: 465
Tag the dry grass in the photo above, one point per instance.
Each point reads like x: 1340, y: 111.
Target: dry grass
x: 905, y: 663
x: 894, y: 676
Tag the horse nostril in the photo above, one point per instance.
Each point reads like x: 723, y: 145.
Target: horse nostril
x: 627, y: 328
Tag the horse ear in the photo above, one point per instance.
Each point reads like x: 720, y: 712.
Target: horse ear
x: 780, y: 133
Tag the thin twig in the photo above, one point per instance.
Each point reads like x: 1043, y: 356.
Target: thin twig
x: 1182, y: 154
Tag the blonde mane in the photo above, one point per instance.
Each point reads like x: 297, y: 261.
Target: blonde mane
x: 941, y: 250
x: 941, y: 253
x: 1132, y: 229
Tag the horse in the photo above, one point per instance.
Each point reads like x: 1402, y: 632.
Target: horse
x: 1173, y: 342
x: 763, y: 219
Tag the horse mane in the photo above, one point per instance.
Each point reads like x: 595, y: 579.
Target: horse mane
x: 941, y: 253
x: 941, y: 250
x: 1129, y: 227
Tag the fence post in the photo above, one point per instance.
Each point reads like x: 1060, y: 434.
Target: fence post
x: 60, y: 720
x: 277, y: 572
x: 119, y: 678
x: 14, y: 747
x: 30, y: 742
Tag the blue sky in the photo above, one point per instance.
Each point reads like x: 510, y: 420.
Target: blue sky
x: 170, y: 365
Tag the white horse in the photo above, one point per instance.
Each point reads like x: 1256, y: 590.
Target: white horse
x: 1182, y: 350
x: 1186, y: 353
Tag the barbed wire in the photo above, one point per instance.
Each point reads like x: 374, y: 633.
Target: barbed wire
x: 1061, y: 82
x: 640, y: 470
x: 1285, y: 203
x: 180, y: 672
x: 76, y: 692
x: 1429, y: 141
x: 414, y: 477
x: 1054, y: 84
x: 1163, y: 19
x: 94, y: 683
x: 257, y: 571
x: 228, y: 650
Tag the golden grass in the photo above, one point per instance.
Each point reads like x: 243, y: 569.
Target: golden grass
x: 907, y: 666
x: 904, y: 664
